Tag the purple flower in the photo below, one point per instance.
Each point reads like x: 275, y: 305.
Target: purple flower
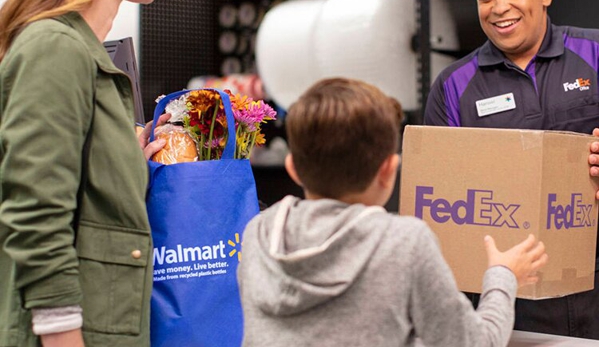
x: 255, y: 113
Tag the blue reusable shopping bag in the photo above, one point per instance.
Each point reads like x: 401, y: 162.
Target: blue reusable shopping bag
x: 198, y: 211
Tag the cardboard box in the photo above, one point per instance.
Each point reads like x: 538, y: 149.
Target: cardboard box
x: 470, y: 182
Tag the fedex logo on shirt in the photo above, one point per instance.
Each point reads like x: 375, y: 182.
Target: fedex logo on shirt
x: 478, y: 208
x: 580, y: 84
x: 574, y: 214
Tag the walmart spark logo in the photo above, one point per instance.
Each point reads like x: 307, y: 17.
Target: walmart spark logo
x: 234, y: 245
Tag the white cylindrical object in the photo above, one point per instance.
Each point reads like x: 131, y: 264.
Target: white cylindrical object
x: 285, y: 61
x: 302, y: 41
x: 369, y: 41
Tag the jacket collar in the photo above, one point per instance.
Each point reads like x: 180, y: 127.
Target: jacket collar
x: 551, y: 47
x: 95, y: 47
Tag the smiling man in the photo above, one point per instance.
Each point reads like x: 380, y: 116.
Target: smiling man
x: 530, y: 74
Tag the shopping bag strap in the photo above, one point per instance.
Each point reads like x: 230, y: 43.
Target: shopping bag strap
x: 229, y: 151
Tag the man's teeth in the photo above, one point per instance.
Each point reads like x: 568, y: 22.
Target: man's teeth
x: 505, y: 24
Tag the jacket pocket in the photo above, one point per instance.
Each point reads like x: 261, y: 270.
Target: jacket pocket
x: 580, y: 114
x: 113, y: 269
x: 13, y: 317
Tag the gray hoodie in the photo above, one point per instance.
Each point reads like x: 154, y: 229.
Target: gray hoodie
x: 325, y: 273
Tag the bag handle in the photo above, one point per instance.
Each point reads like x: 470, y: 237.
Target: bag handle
x: 229, y: 151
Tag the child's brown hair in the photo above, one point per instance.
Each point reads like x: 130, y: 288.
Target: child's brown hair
x: 339, y: 132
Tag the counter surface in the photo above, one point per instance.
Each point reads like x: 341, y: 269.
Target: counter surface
x: 528, y: 339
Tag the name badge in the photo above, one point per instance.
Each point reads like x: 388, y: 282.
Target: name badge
x: 495, y: 104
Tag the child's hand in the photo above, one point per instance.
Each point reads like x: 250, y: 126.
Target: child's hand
x: 524, y: 259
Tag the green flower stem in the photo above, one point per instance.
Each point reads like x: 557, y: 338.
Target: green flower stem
x: 251, y: 145
x: 201, y: 146
x: 212, y: 128
x: 245, y: 145
x: 237, y: 153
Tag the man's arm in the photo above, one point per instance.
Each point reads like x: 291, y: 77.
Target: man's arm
x: 435, y: 112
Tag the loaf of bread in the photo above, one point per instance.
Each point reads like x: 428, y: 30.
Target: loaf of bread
x: 180, y: 147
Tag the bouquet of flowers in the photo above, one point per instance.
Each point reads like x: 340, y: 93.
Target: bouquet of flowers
x: 201, y: 116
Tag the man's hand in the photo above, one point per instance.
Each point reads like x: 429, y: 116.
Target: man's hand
x: 594, y: 158
x: 71, y: 338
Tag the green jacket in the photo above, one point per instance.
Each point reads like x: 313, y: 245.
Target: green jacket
x: 55, y: 76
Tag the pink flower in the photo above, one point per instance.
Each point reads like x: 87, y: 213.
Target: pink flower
x: 256, y: 112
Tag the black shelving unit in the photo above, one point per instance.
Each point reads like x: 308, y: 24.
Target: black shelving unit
x: 424, y: 56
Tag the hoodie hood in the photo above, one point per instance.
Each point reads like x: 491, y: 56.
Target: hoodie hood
x: 308, y: 252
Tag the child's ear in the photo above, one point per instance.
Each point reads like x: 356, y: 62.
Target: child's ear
x: 291, y: 170
x: 388, y: 170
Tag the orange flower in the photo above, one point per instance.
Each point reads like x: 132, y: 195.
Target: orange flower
x: 239, y: 102
x: 260, y: 139
x: 201, y: 100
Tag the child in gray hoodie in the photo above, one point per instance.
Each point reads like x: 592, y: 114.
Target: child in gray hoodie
x: 335, y: 269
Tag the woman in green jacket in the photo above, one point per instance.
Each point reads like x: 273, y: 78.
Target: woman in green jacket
x: 68, y: 280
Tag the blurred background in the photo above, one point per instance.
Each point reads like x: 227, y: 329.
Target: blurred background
x: 274, y: 49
